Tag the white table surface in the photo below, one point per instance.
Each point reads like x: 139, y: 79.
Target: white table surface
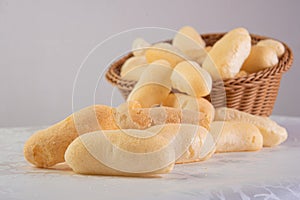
x: 272, y: 173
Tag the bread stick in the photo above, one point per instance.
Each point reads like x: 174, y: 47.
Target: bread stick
x: 132, y: 152
x: 272, y: 133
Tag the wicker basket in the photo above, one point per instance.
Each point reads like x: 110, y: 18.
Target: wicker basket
x: 255, y: 93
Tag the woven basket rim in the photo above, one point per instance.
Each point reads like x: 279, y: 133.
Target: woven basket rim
x: 116, y: 79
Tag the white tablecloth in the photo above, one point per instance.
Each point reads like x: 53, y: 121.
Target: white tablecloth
x: 273, y: 173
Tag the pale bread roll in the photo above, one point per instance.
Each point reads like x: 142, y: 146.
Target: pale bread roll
x: 186, y: 102
x: 80, y: 155
x: 235, y: 136
x: 131, y: 152
x: 227, y: 55
x: 164, y: 51
x: 154, y: 84
x: 190, y: 78
x: 272, y: 133
x: 46, y: 148
x: 276, y: 45
x: 131, y: 116
x: 190, y: 43
x: 133, y: 68
x: 139, y: 46
x: 261, y: 57
x: 186, y: 38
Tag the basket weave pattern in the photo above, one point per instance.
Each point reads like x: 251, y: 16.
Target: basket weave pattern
x: 255, y: 93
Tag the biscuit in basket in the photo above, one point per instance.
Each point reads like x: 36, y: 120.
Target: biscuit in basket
x: 154, y: 84
x: 46, y: 148
x: 188, y: 77
x: 261, y: 57
x: 133, y: 68
x: 190, y: 43
x: 227, y: 55
x: 164, y: 51
x: 277, y: 46
x: 139, y: 47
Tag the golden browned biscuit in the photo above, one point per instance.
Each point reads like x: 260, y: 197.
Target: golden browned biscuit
x: 135, y: 152
x: 46, y: 147
x: 227, y: 55
x: 154, y: 84
x: 134, y: 117
x: 261, y: 57
x: 81, y: 154
x: 272, y: 133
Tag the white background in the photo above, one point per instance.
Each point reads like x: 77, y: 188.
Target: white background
x: 42, y: 44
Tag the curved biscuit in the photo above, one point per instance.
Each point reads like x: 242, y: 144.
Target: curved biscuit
x: 272, y: 133
x: 125, y: 152
x: 227, y: 55
x: 154, y: 84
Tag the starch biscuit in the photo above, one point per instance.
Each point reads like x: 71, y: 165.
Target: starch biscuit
x: 227, y: 55
x: 272, y: 133
x: 154, y: 84
x: 277, y: 46
x: 46, y: 148
x: 132, y: 152
x: 261, y: 57
x: 190, y: 43
x: 235, y: 136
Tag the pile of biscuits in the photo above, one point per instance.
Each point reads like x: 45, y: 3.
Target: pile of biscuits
x: 231, y: 56
x: 156, y: 127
